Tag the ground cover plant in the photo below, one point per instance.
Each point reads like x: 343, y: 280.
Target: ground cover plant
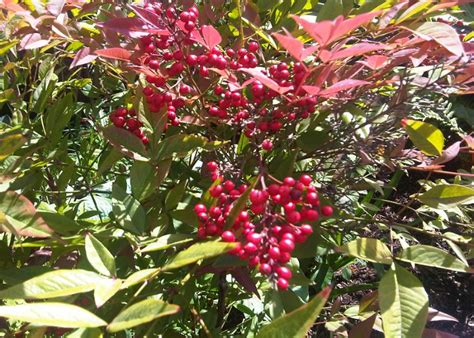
x: 236, y: 168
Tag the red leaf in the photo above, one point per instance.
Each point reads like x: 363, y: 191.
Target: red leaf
x: 83, y: 57
x: 132, y: 27
x: 209, y: 36
x: 349, y: 25
x: 342, y: 85
x: 11, y: 5
x: 325, y: 32
x: 375, y: 62
x: 147, y: 16
x: 33, y: 41
x: 265, y: 80
x: 443, y: 34
x: 312, y: 90
x: 448, y: 154
x: 356, y: 50
x: 294, y: 46
x: 115, y: 53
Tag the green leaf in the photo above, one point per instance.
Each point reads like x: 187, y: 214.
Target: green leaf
x: 128, y: 212
x: 52, y: 314
x: 106, y: 290
x: 403, y: 304
x: 425, y: 136
x: 141, y: 313
x: 57, y: 283
x: 6, y: 45
x: 139, y: 276
x: 142, y: 179
x: 443, y: 34
x: 179, y: 144
x: 168, y: 241
x: 197, y: 252
x: 431, y: 256
x: 126, y: 143
x: 99, y: 257
x: 59, y: 223
x: 313, y: 139
x: 10, y: 143
x: 369, y: 249
x: 330, y: 10
x: 416, y: 8
x: 446, y: 196
x: 58, y: 117
x: 44, y: 91
x: 18, y: 215
x: 296, y: 324
x: 175, y: 195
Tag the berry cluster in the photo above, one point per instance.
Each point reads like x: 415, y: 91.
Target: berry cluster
x: 276, y: 218
x: 127, y: 119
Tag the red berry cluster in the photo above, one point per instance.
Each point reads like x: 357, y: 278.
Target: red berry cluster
x: 127, y: 119
x: 276, y: 218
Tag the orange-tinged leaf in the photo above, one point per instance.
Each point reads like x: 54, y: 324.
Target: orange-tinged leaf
x: 115, y: 53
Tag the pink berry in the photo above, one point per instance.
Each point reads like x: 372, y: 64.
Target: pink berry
x: 267, y: 145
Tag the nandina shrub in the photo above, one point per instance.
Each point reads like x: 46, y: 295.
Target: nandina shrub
x: 228, y: 175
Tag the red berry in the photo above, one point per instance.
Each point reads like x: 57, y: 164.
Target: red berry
x: 265, y: 269
x: 250, y: 248
x: 306, y: 229
x: 311, y: 215
x: 289, y: 181
x: 327, y: 210
x: 293, y: 217
x: 189, y: 26
x: 282, y: 284
x: 228, y: 185
x: 267, y: 145
x: 253, y: 46
x: 306, y: 179
x: 274, y: 252
x: 228, y: 236
x: 284, y: 272
x: 212, y: 166
x: 191, y: 60
x: 198, y: 208
x: 286, y: 245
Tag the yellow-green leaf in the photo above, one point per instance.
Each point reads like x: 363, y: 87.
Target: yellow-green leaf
x: 9, y: 144
x: 99, y: 256
x: 168, y: 241
x: 403, y: 304
x: 52, y: 314
x: 445, y: 196
x: 197, y: 252
x: 431, y: 256
x: 297, y: 323
x: 425, y: 136
x: 58, y: 283
x: 369, y: 249
x: 141, y: 313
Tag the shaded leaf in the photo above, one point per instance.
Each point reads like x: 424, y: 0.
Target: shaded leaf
x: 179, y: 144
x: 125, y: 142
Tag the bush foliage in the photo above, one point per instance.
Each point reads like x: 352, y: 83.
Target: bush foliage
x: 218, y: 168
